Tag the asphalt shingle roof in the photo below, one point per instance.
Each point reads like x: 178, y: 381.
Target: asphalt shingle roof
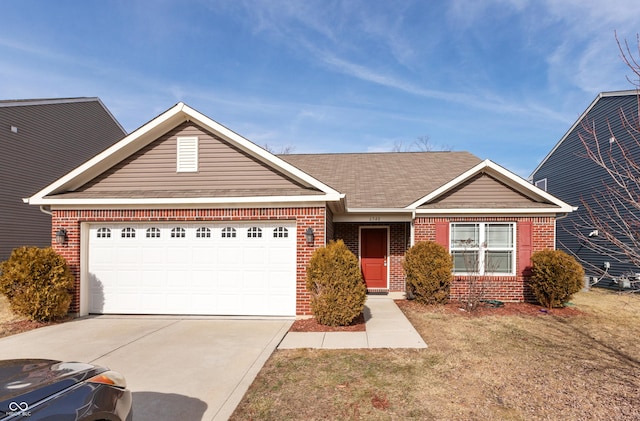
x: 384, y: 180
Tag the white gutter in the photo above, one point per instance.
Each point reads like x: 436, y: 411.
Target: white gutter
x: 184, y: 201
x: 43, y: 210
x: 493, y: 211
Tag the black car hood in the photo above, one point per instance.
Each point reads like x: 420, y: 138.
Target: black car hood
x: 31, y: 380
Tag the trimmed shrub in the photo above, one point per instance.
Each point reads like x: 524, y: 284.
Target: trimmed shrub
x: 335, y: 282
x: 37, y: 283
x: 428, y: 268
x: 555, y: 277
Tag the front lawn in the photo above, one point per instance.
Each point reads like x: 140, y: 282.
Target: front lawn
x: 506, y: 367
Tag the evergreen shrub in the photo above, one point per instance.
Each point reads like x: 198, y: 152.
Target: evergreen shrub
x: 37, y: 282
x: 334, y: 280
x: 555, y: 277
x: 428, y: 268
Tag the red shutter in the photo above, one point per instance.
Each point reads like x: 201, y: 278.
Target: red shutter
x: 525, y: 247
x: 442, y: 233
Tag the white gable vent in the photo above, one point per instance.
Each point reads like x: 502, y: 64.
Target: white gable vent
x: 187, y: 154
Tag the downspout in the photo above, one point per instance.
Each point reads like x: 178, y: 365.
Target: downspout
x: 44, y: 210
x: 413, y: 232
x: 408, y: 294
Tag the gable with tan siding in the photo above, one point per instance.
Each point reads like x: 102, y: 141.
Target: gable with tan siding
x: 222, y: 168
x: 482, y: 191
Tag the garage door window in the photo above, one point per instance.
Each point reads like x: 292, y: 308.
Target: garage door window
x: 254, y: 232
x: 128, y: 232
x: 203, y: 232
x: 178, y: 232
x: 103, y: 233
x: 280, y: 232
x: 228, y: 232
x: 153, y: 232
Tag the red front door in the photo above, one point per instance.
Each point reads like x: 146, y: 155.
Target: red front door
x: 373, y: 259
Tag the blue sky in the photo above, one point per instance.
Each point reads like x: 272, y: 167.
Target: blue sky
x: 503, y: 79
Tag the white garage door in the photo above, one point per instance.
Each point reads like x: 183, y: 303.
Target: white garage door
x: 193, y: 268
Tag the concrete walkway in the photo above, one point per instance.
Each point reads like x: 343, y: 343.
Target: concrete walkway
x: 386, y: 327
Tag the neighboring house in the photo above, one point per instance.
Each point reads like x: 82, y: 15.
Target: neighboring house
x: 567, y: 173
x: 42, y: 140
x: 184, y: 216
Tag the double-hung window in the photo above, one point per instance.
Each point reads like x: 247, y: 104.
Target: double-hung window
x: 483, y: 248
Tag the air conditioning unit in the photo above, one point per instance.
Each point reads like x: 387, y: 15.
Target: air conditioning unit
x: 624, y: 282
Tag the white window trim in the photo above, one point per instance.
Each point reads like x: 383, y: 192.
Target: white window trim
x: 187, y: 154
x: 541, y: 184
x: 482, y: 248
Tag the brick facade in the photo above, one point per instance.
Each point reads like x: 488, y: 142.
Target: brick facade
x: 504, y: 288
x: 313, y: 217
x: 399, y: 241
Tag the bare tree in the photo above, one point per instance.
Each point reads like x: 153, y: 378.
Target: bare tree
x: 609, y: 223
x: 284, y: 150
x: 421, y: 144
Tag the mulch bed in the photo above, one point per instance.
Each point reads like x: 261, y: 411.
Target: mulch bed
x: 11, y: 328
x: 312, y: 325
x: 508, y: 309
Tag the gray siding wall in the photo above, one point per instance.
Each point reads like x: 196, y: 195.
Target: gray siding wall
x: 52, y: 139
x: 221, y: 167
x: 573, y: 177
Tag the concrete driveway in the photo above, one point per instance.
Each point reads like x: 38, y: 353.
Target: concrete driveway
x: 177, y: 368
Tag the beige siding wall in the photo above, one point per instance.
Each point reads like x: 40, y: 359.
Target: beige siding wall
x: 482, y: 189
x: 220, y: 166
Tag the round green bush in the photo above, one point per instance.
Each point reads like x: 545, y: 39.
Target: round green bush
x: 555, y: 277
x: 428, y: 269
x: 37, y: 282
x: 336, y: 286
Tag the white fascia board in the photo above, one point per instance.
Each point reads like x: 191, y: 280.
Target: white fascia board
x: 579, y: 121
x: 562, y: 139
x: 157, y: 206
x: 149, y: 132
x: 256, y: 150
x: 503, y: 175
x: 492, y: 211
x: 198, y: 201
x: 378, y: 210
x: 106, y: 110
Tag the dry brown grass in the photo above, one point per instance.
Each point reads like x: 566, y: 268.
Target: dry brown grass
x: 546, y: 367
